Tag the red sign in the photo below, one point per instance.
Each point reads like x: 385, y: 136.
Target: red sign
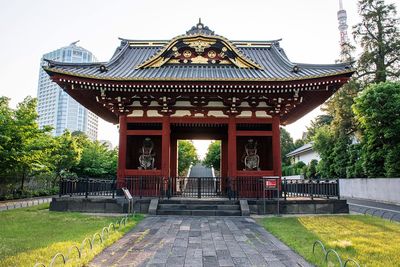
x: 270, y: 183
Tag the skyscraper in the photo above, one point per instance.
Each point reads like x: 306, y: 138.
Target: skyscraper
x: 55, y: 107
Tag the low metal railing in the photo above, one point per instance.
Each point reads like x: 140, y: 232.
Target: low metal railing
x: 299, y: 188
x: 87, y: 187
x: 146, y: 186
x: 196, y: 187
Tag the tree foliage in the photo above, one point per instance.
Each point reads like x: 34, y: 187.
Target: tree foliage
x: 287, y: 146
x: 377, y: 110
x: 379, y: 36
x: 96, y: 160
x: 338, y: 141
x: 213, y: 156
x: 187, y: 155
x: 31, y: 154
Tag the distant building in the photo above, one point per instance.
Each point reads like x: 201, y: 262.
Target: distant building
x: 55, y: 107
x: 304, y: 153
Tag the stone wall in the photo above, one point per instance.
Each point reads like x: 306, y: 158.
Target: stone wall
x: 378, y: 189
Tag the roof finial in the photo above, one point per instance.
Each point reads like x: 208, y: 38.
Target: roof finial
x: 340, y: 5
x: 200, y: 25
x: 200, y: 28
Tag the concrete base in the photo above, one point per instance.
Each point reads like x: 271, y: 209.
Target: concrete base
x: 316, y: 206
x: 203, y: 207
x: 91, y: 204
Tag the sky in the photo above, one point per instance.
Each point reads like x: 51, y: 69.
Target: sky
x: 28, y: 29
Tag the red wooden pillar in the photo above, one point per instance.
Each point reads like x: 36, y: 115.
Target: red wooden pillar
x: 232, y: 169
x: 276, y: 146
x: 224, y: 163
x: 174, y: 157
x: 121, y: 151
x: 224, y: 158
x: 166, y: 142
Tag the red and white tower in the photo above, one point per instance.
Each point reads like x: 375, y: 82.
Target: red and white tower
x: 342, y: 18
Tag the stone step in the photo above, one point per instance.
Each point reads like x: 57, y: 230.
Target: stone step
x: 200, y: 212
x: 199, y: 202
x: 197, y: 207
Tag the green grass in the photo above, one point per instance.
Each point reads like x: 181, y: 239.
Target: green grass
x: 35, y: 234
x: 369, y: 240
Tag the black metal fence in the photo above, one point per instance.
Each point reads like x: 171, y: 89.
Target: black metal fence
x: 300, y: 188
x: 196, y: 187
x: 146, y: 186
x: 87, y: 187
x: 201, y: 187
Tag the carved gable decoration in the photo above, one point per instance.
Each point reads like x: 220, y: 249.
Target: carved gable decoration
x: 199, y: 47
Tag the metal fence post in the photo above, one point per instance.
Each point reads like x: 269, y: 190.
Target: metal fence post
x: 338, y: 188
x: 86, y: 188
x: 140, y: 186
x: 113, y: 188
x: 198, y: 187
x: 169, y: 185
x: 60, y: 189
x: 284, y: 188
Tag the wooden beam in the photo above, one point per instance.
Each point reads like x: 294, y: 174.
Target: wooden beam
x: 144, y: 132
x: 254, y: 133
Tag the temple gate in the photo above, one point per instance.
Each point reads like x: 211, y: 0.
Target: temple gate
x: 199, y: 85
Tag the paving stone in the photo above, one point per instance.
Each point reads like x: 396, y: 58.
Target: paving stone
x: 242, y: 261
x: 193, y: 241
x: 210, y: 261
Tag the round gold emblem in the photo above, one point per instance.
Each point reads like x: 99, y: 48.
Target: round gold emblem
x: 187, y: 53
x: 212, y: 54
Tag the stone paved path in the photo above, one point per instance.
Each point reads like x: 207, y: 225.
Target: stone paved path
x: 198, y: 241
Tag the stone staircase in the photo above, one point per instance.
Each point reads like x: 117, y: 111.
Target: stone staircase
x: 195, y: 207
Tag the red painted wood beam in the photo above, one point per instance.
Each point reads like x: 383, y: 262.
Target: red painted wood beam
x: 254, y: 133
x: 143, y: 132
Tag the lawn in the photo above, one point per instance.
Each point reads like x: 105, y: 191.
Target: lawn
x: 369, y: 240
x: 35, y: 234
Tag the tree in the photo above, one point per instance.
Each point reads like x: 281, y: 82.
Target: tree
x: 6, y: 131
x: 23, y: 146
x: 65, y: 155
x: 312, y: 169
x: 96, y: 159
x: 379, y: 36
x: 287, y: 146
x: 213, y: 156
x: 377, y: 111
x: 319, y: 121
x: 187, y: 155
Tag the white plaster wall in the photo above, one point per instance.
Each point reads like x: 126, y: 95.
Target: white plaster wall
x: 378, y: 189
x: 307, y: 157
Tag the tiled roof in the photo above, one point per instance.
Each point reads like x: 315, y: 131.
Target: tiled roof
x: 304, y: 148
x: 273, y: 62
